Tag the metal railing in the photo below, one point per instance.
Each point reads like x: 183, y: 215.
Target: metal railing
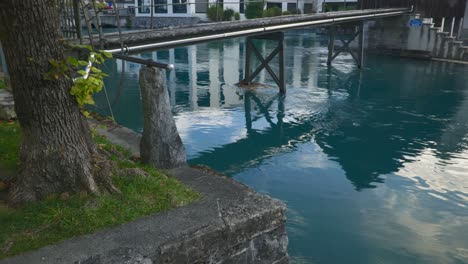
x: 454, y: 26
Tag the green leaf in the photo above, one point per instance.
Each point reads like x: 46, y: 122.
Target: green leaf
x: 72, y: 61
x: 83, y: 63
x: 88, y: 47
x: 53, y: 63
x: 106, y: 54
x: 95, y: 70
x: 82, y: 72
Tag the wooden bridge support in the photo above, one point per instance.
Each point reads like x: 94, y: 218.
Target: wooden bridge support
x: 264, y: 109
x: 264, y: 62
x: 333, y: 51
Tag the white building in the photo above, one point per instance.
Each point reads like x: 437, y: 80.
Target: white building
x: 198, y: 8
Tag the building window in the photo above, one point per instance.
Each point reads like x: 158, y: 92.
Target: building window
x: 309, y: 9
x: 160, y: 6
x: 201, y: 6
x: 144, y: 6
x: 241, y: 6
x: 271, y: 5
x: 179, y: 6
x: 292, y: 7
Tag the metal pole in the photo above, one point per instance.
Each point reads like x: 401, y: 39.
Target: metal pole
x: 76, y: 13
x: 88, y: 22
x: 442, y: 25
x: 331, y: 44
x: 452, y: 27
x: 99, y: 26
x: 460, y: 28
x: 152, y: 13
x: 117, y: 16
x: 217, y: 6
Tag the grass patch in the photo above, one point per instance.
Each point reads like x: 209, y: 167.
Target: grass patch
x: 53, y: 220
x: 10, y: 138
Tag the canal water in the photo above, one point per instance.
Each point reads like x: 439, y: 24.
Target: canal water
x: 372, y: 165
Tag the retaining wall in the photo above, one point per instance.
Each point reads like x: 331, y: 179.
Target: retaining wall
x: 395, y: 36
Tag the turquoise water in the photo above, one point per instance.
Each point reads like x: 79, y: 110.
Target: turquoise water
x: 373, y: 165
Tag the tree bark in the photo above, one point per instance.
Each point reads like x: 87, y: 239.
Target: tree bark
x: 56, y: 152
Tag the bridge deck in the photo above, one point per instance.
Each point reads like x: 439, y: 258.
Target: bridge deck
x: 170, y: 37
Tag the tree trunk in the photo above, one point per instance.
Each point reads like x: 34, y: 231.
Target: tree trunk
x: 56, y: 154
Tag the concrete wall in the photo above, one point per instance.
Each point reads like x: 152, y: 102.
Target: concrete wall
x: 465, y: 24
x: 396, y: 36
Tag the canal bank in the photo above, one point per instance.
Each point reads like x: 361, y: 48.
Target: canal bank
x: 232, y: 224
x: 372, y: 164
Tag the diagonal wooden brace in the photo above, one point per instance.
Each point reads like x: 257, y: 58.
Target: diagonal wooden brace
x: 265, y: 62
x: 357, y: 57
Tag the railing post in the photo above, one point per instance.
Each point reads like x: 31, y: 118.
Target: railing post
x: 98, y: 26
x: 460, y: 28
x: 452, y: 27
x: 442, y: 25
x: 119, y: 29
x: 88, y: 21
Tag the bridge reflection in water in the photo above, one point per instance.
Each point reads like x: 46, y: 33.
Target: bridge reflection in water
x: 397, y: 131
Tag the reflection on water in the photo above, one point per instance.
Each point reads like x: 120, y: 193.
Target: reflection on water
x: 373, y: 165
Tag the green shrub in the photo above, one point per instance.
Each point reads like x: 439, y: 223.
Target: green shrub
x: 272, y: 12
x: 254, y: 9
x: 236, y: 16
x: 228, y: 14
x: 287, y: 13
x: 128, y: 22
x: 211, y: 13
x: 2, y: 84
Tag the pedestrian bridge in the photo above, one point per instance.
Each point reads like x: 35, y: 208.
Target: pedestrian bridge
x: 138, y: 40
x: 267, y: 29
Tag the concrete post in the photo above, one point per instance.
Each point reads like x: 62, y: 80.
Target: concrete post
x: 160, y: 145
